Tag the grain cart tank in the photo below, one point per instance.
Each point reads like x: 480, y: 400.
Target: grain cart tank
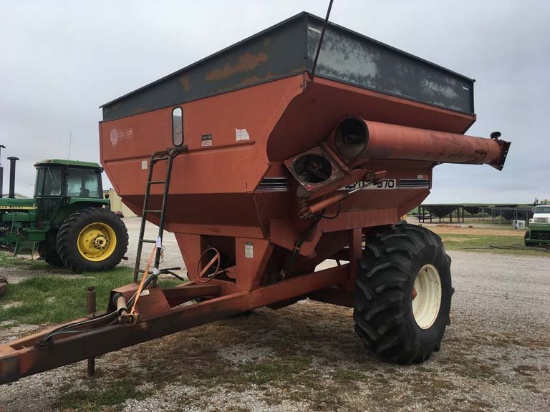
x: 264, y: 171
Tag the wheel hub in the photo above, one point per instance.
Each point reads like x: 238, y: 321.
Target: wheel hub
x: 100, y: 242
x: 96, y: 242
x: 426, y: 296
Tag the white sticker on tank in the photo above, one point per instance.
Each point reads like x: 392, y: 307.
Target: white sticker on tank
x: 249, y: 250
x: 241, y: 134
x: 144, y: 165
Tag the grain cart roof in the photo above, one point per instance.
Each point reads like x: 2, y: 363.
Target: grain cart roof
x: 287, y: 49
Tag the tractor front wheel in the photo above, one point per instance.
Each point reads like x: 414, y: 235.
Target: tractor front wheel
x: 92, y: 239
x: 403, y: 293
x: 48, y: 251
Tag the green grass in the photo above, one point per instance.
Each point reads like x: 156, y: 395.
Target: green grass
x: 51, y: 297
x: 8, y: 260
x: 55, y: 299
x: 266, y: 371
x: 113, y: 393
x: 493, y: 244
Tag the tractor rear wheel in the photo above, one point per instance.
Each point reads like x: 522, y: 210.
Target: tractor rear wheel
x: 48, y: 251
x: 403, y: 293
x: 92, y: 239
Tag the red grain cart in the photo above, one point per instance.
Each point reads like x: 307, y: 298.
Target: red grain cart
x: 263, y: 171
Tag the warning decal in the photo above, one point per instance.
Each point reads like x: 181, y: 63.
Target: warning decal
x: 249, y: 250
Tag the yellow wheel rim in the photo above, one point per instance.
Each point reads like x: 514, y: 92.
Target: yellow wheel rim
x: 96, y: 242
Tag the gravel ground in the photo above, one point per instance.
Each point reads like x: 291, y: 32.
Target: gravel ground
x: 495, y: 355
x: 171, y: 254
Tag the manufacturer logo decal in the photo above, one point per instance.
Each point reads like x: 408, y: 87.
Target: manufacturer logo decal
x: 114, y: 137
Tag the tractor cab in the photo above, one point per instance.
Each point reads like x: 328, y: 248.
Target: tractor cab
x: 63, y: 186
x: 68, y: 178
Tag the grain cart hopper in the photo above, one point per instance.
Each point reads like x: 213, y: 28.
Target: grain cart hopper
x: 272, y: 171
x: 67, y: 219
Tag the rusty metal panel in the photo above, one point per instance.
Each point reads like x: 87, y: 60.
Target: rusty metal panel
x: 288, y: 48
x: 352, y: 58
x: 275, y: 53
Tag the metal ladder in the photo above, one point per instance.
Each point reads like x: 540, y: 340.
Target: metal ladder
x: 167, y: 156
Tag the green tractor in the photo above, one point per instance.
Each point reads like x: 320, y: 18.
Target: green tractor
x: 68, y: 220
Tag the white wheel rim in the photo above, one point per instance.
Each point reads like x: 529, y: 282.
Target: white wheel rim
x: 426, y: 296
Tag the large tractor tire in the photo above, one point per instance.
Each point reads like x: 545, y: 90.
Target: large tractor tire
x: 92, y: 240
x: 526, y: 239
x: 403, y: 293
x: 47, y: 250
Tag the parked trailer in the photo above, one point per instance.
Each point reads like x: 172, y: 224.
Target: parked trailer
x: 263, y: 170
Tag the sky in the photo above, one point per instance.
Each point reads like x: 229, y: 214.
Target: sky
x: 60, y: 60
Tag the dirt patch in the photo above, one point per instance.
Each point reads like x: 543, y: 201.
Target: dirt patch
x: 474, y: 230
x: 495, y: 356
x: 304, y: 357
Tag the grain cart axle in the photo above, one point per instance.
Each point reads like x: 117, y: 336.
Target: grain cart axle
x: 264, y: 173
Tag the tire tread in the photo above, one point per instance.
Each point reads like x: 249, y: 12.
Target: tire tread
x: 383, y: 311
x: 68, y: 234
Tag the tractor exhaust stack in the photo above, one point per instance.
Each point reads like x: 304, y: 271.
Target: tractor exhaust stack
x: 12, y: 160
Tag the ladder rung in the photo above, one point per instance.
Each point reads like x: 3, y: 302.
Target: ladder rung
x: 147, y: 241
x: 153, y: 211
x: 157, y: 182
x: 168, y: 269
x: 158, y: 159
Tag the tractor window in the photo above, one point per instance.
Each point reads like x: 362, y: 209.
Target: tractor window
x: 48, y: 182
x: 177, y: 126
x: 83, y: 183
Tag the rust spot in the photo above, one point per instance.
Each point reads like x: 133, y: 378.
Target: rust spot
x: 247, y: 61
x: 184, y: 80
x: 255, y: 79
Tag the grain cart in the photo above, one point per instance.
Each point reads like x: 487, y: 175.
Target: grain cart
x: 264, y: 171
x: 67, y: 218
